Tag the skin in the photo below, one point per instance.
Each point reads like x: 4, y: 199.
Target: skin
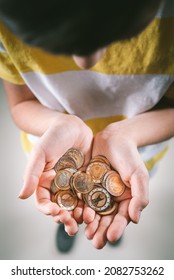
x: 86, y: 62
x: 118, y: 142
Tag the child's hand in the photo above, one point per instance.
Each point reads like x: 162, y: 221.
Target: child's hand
x: 62, y: 135
x: 115, y: 143
x: 45, y: 203
x: 111, y: 227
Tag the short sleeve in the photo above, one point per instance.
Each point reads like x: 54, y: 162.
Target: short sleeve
x: 8, y: 71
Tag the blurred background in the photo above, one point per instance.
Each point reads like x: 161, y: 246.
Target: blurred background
x: 25, y: 233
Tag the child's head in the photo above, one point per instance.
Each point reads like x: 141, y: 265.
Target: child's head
x: 76, y: 27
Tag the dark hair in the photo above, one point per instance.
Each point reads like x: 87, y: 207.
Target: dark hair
x: 76, y: 27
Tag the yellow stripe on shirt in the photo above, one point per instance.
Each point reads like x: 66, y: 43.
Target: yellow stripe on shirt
x: 98, y: 124
x: 133, y: 56
x: 8, y: 71
x: 152, y: 162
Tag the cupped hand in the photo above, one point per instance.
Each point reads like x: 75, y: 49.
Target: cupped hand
x: 45, y: 203
x: 64, y: 133
x: 115, y: 143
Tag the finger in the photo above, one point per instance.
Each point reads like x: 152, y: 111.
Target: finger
x: 92, y: 227
x: 33, y: 172
x: 78, y: 212
x: 57, y: 219
x: 43, y: 202
x: 100, y: 237
x: 46, y: 178
x: 84, y: 143
x: 140, y: 193
x: 119, y: 223
x: 69, y: 222
x: 88, y: 215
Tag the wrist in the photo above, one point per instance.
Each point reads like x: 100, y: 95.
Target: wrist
x: 72, y: 125
x: 146, y: 128
x: 123, y: 131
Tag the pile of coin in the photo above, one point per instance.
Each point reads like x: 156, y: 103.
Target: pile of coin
x: 96, y: 186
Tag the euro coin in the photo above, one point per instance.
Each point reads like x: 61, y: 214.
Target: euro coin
x: 62, y: 179
x: 77, y: 156
x: 97, y: 170
x: 64, y: 162
x: 71, y: 170
x: 54, y: 189
x: 111, y: 208
x: 100, y: 158
x: 113, y: 183
x: 98, y: 199
x: 82, y: 182
x: 66, y: 200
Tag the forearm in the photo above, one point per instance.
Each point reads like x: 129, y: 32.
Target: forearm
x: 32, y: 117
x: 150, y: 127
x: 27, y: 112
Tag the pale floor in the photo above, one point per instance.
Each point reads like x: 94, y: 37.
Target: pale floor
x: 25, y: 233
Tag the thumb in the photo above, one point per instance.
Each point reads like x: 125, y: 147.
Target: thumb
x: 33, y: 172
x: 140, y: 193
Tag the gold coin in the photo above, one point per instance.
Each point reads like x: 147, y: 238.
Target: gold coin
x: 71, y: 170
x: 113, y: 183
x: 100, y: 158
x: 77, y: 156
x: 67, y: 200
x: 54, y: 189
x: 111, y: 208
x: 97, y: 170
x: 64, y: 162
x: 82, y: 182
x: 98, y: 199
x: 62, y: 179
x: 55, y: 197
x: 105, y: 177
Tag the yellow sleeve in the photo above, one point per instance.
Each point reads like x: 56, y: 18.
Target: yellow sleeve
x: 8, y: 71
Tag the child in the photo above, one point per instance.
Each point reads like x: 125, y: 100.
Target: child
x: 110, y: 109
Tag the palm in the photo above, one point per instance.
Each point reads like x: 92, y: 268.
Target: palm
x: 39, y: 173
x: 124, y: 157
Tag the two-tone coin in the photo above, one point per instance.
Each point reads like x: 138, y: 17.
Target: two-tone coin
x: 77, y: 156
x: 100, y: 158
x: 54, y: 189
x: 111, y: 208
x: 82, y: 182
x: 64, y: 162
x: 97, y: 170
x: 62, y: 179
x: 113, y: 183
x: 66, y: 200
x: 98, y: 198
